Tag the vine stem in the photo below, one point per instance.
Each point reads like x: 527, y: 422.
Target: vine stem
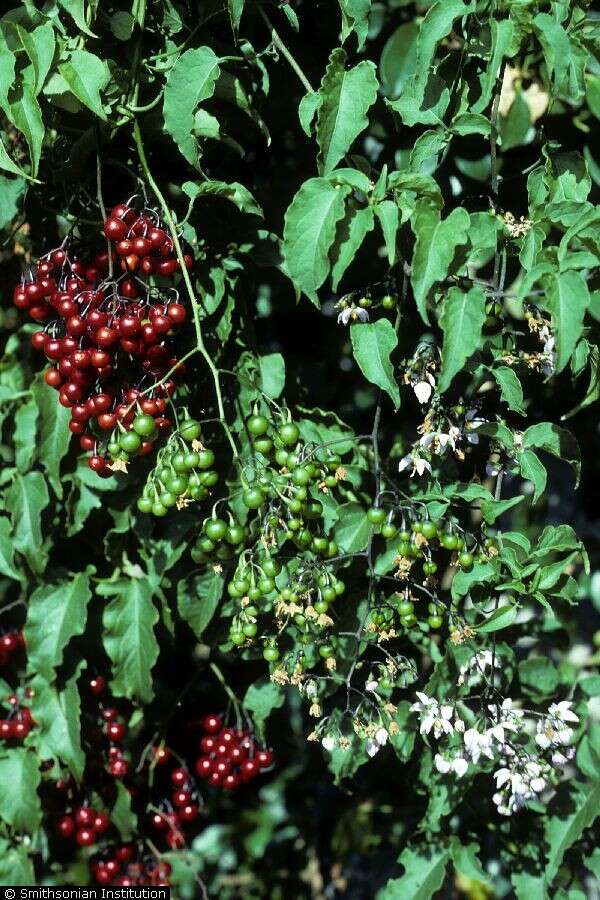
x: 188, y: 283
x: 276, y: 39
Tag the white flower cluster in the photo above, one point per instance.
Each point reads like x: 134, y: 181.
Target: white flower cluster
x: 520, y: 776
x: 439, y: 442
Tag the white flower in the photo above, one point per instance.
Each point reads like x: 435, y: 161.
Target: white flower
x: 563, y: 711
x: 352, y: 314
x: 478, y: 663
x: 552, y: 730
x: 424, y: 388
x: 477, y: 745
x: 311, y: 688
x: 439, y: 440
x: 371, y: 685
x: 328, y: 743
x: 458, y: 765
x: 442, y: 764
x: 417, y: 464
x: 381, y: 736
x: 433, y: 716
x: 508, y: 719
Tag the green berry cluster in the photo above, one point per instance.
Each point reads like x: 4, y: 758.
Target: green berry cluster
x: 184, y: 472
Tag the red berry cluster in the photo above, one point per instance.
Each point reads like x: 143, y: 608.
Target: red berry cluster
x: 84, y: 824
x: 111, y: 728
x: 10, y: 643
x: 120, y: 866
x: 108, y: 337
x: 183, y: 807
x: 18, y: 723
x: 142, y: 244
x: 229, y: 756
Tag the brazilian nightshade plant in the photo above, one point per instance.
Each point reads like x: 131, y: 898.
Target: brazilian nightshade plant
x: 299, y: 558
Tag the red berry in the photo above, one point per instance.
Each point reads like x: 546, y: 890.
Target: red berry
x: 211, y: 724
x: 179, y: 777
x: 85, y: 837
x: 204, y: 766
x: 116, y: 731
x: 97, y: 684
x: 264, y: 758
x: 101, y: 822
x: 84, y: 816
x: 66, y: 827
x: 188, y: 813
x: 115, y: 229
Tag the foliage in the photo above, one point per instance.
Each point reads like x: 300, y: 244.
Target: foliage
x: 370, y: 538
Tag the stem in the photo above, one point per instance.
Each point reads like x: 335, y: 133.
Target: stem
x: 188, y: 283
x: 277, y: 42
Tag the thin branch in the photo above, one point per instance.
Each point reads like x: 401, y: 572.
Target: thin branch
x: 277, y: 42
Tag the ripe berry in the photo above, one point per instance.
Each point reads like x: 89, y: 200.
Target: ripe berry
x: 66, y: 827
x: 179, y: 777
x: 85, y: 837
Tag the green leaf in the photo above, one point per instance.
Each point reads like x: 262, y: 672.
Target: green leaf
x: 501, y: 34
x: 77, y: 10
x: 197, y: 606
x: 234, y: 192
x: 129, y: 638
x: 352, y: 529
x: 567, y: 298
x: 122, y: 25
x: 514, y: 127
x: 39, y: 45
x: 24, y: 434
x: 347, y: 95
x: 462, y: 582
x: 87, y: 76
x: 398, y: 62
x: 436, y: 25
x: 538, y: 676
x: 563, y: 829
x: 7, y: 562
x: 462, y: 319
x: 19, y: 782
x: 58, y: 729
x: 434, y: 250
x: 272, y: 374
x: 307, y: 110
x: 191, y: 81
x: 556, y: 46
x: 511, y: 390
x: 54, y: 437
x: 122, y: 815
x: 355, y: 18
x: 16, y: 867
x: 26, y: 498
x: 236, y: 8
x: 55, y: 614
x: 492, y: 509
x: 11, y: 193
x: 27, y: 116
x: 8, y: 165
x: 372, y: 344
x: 465, y: 858
x: 555, y: 440
x: 533, y: 469
x: 351, y: 233
x: 388, y: 214
x: 425, y: 870
x: 261, y: 699
x: 310, y: 225
x: 503, y: 617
